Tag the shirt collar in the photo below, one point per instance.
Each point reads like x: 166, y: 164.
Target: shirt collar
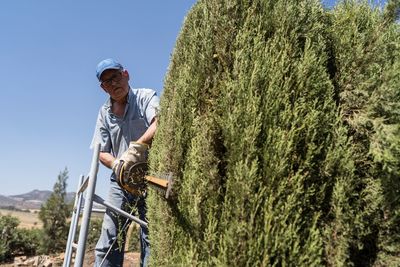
x: 109, y: 100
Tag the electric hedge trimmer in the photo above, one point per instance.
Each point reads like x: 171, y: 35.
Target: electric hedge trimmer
x: 135, y: 180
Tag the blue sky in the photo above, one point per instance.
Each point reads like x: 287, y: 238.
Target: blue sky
x: 49, y: 92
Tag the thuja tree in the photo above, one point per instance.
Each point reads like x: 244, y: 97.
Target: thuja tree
x: 280, y: 122
x: 366, y: 46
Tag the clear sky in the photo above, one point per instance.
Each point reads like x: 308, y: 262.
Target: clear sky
x: 49, y: 92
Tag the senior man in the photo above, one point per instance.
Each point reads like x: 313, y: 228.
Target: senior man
x: 125, y: 127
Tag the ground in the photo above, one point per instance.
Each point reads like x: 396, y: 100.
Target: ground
x: 132, y: 259
x: 31, y: 220
x: 28, y: 219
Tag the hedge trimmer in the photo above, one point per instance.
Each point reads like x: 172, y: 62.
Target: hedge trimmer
x: 135, y: 180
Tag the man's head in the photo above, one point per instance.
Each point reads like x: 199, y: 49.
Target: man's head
x: 113, y: 79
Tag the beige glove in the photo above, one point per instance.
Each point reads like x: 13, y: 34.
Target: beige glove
x: 136, y: 152
x: 116, y: 166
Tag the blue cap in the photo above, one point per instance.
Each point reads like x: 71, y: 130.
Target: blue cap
x: 107, y: 64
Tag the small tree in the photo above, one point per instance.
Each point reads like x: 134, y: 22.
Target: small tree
x: 54, y: 214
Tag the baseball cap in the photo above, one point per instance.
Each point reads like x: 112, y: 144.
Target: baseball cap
x: 107, y: 64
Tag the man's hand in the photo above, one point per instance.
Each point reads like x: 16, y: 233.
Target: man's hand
x: 116, y: 166
x: 137, y: 152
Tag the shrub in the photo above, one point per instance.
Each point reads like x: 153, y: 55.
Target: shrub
x: 15, y: 241
x: 280, y: 121
x: 93, y: 233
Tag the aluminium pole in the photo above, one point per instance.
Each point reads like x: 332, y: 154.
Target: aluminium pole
x: 88, y: 207
x: 74, y: 224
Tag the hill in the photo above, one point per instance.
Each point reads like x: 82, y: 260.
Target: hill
x: 31, y: 200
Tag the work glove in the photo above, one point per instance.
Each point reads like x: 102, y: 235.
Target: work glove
x: 136, y: 153
x: 116, y: 166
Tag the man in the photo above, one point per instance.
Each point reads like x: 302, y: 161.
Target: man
x: 125, y: 127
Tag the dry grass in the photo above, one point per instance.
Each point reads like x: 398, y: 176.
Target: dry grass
x: 28, y: 220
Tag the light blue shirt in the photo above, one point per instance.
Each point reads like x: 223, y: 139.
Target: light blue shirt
x: 114, y: 133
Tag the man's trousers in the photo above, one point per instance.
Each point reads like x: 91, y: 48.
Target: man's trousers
x: 114, y: 228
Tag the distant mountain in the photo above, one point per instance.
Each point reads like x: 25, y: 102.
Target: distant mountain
x: 7, y: 201
x: 31, y: 200
x: 40, y: 195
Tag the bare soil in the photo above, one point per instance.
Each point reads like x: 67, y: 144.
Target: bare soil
x: 132, y: 259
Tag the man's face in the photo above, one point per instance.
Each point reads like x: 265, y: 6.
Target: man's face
x: 115, y: 83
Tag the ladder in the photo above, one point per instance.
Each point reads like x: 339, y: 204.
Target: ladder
x: 88, y: 184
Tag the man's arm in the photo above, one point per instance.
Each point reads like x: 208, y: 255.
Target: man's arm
x: 107, y: 159
x: 147, y: 137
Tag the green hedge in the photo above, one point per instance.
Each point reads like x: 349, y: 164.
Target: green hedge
x: 281, y: 123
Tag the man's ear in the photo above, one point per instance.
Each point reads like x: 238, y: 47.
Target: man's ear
x: 125, y: 73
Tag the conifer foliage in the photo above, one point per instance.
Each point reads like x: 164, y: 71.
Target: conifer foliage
x: 54, y: 214
x: 280, y: 121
